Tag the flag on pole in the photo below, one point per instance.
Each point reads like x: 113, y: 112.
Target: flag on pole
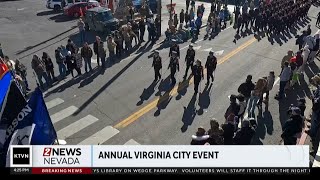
x: 32, y: 125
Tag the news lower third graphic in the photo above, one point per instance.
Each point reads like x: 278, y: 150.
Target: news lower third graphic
x: 106, y: 159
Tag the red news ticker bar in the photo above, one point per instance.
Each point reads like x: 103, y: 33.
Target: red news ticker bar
x: 61, y: 170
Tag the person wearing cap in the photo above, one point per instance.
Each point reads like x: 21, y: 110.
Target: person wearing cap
x: 70, y: 63
x: 211, y: 65
x: 245, y: 134
x: 49, y: 66
x: 157, y: 65
x: 292, y: 127
x: 191, y: 53
x: 71, y: 47
x: 174, y: 47
x: 173, y: 66
x: 246, y: 87
x: 197, y: 71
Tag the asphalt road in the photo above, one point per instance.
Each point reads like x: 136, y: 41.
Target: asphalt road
x: 121, y: 104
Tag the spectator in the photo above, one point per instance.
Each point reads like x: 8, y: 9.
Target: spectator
x: 119, y: 43
x: 86, y: 54
x: 96, y: 47
x: 246, y: 87
x: 39, y: 68
x: 78, y: 62
x: 49, y: 66
x: 21, y: 70
x: 60, y: 61
x: 242, y: 105
x: 244, y: 135
x: 200, y: 138
x: 175, y: 20
x: 70, y: 63
x: 286, y: 58
x: 102, y: 54
x: 284, y: 79
x: 181, y: 17
x: 233, y: 108
x: 292, y: 127
x: 71, y: 47
x: 142, y: 28
x: 228, y: 130
x: 270, y: 82
x: 111, y: 46
x: 256, y: 95
x: 82, y: 31
x: 215, y: 133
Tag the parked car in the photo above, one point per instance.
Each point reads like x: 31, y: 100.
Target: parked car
x: 101, y: 19
x: 56, y: 4
x: 78, y: 9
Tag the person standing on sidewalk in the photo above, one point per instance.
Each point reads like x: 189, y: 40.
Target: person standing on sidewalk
x: 157, y: 24
x: 96, y: 47
x: 39, y: 68
x: 60, y: 61
x: 142, y: 28
x: 86, y: 54
x: 111, y: 46
x: 102, y: 54
x: 49, y: 66
x: 82, y: 31
x: 270, y: 82
x: 21, y: 70
x: 181, y: 16
x: 284, y: 79
x: 119, y: 43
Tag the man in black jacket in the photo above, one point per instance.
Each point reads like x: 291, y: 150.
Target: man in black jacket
x: 292, y: 126
x: 246, y: 87
x: 181, y: 16
x: 96, y: 47
x: 142, y: 28
x: 189, y: 59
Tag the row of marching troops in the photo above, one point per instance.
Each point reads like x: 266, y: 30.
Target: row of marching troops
x: 276, y: 17
x: 195, y: 66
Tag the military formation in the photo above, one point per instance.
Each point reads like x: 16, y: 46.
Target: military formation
x: 274, y: 17
x: 195, y: 66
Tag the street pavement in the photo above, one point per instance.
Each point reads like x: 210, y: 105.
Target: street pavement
x: 122, y: 105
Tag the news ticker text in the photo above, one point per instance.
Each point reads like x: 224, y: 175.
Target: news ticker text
x: 117, y: 171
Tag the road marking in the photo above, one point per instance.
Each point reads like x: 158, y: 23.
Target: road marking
x: 101, y: 136
x: 131, y: 142
x: 207, y: 50
x: 21, y: 9
x: 76, y: 126
x: 54, y: 102
x: 219, y: 53
x: 174, y: 91
x: 63, y: 114
x: 197, y: 48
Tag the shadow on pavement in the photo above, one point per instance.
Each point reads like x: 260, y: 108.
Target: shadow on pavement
x: 105, y: 86
x: 163, y: 101
x: 204, y: 99
x: 183, y: 88
x: 189, y: 113
x: 61, y: 18
x: 49, y: 12
x: 147, y: 92
x: 91, y: 76
x: 43, y: 42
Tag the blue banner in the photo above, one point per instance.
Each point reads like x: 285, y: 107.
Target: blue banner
x: 32, y: 125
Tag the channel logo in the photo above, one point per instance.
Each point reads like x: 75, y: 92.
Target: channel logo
x: 48, y: 151
x: 21, y: 156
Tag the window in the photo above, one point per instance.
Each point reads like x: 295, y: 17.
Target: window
x: 105, y: 15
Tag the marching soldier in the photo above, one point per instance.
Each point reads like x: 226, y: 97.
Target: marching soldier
x: 189, y: 59
x: 211, y: 65
x: 174, y: 47
x: 197, y: 75
x: 157, y: 65
x: 174, y: 66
